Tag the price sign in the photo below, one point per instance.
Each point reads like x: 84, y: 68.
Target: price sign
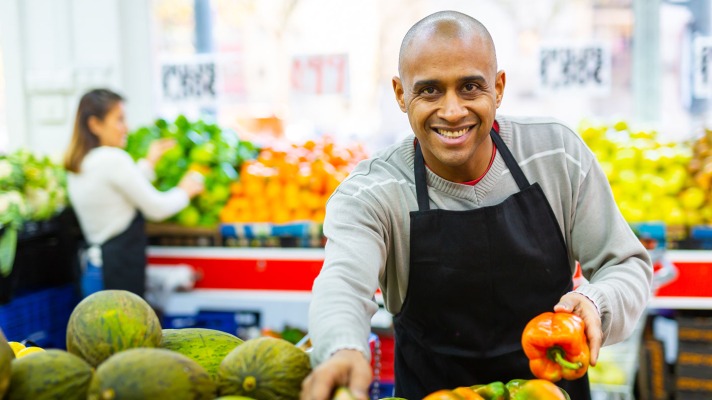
x: 320, y: 74
x: 579, y: 68
x: 192, y: 80
x: 702, y: 67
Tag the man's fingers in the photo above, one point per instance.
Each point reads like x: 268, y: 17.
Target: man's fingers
x: 580, y: 305
x: 359, y: 382
x: 594, y: 342
x: 563, y: 307
x: 318, y: 385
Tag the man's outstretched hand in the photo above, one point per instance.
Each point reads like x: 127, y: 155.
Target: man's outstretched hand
x: 347, y: 368
x: 578, y: 304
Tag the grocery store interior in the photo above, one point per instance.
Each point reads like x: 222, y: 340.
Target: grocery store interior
x: 275, y: 102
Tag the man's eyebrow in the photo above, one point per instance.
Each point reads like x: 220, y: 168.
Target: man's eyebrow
x: 473, y: 78
x: 427, y: 82
x: 434, y: 82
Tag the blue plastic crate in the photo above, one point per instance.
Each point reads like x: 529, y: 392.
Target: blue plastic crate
x: 39, y: 316
x: 380, y: 390
x: 304, y: 229
x: 655, y: 231
x: 226, y: 321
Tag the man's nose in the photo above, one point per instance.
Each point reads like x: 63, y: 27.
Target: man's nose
x: 453, y: 108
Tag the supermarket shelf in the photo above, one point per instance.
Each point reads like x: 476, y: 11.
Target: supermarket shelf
x: 681, y: 303
x: 228, y: 253
x: 290, y: 269
x: 276, y: 308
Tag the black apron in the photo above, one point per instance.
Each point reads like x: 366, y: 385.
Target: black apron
x: 476, y: 278
x: 124, y: 258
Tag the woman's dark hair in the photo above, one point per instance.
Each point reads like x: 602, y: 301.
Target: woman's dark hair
x: 96, y: 103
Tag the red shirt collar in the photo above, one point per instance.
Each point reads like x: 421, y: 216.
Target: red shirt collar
x: 495, y: 126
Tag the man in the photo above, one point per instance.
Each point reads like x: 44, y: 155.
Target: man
x: 471, y: 229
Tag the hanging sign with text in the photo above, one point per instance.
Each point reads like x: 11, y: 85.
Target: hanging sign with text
x: 320, y: 74
x: 191, y: 80
x: 702, y: 67
x: 580, y: 68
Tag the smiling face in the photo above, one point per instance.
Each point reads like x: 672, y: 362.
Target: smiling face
x: 450, y: 88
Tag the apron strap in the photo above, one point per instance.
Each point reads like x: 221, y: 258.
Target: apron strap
x: 512, y: 164
x: 421, y: 187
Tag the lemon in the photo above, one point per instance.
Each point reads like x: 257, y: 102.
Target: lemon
x: 16, y: 347
x: 29, y: 350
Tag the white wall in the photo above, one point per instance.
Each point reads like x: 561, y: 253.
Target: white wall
x: 55, y: 50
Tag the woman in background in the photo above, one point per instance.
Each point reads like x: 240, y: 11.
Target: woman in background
x: 111, y: 193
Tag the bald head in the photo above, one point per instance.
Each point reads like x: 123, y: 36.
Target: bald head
x: 448, y: 25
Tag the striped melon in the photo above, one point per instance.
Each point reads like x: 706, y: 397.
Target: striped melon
x: 6, y: 357
x: 110, y: 321
x: 264, y: 369
x: 207, y: 347
x: 151, y: 374
x: 51, y: 374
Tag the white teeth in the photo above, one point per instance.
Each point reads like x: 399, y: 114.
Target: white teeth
x: 451, y: 134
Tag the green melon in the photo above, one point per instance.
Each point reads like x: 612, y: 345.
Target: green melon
x: 264, y: 369
x: 208, y: 347
x: 110, y: 321
x: 147, y: 373
x: 6, y: 357
x: 51, y: 374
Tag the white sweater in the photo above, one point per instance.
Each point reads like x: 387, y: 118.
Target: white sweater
x: 368, y: 229
x: 111, y: 187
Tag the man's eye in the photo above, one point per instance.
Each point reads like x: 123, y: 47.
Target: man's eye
x: 469, y: 87
x: 428, y: 90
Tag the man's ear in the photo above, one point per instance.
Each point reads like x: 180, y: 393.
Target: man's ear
x: 398, y: 90
x: 499, y: 84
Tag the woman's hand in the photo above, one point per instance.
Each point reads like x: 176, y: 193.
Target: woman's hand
x: 157, y: 148
x: 192, y: 184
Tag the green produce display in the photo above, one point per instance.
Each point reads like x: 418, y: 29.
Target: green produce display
x: 215, y: 153
x: 32, y: 188
x: 207, y: 347
x: 51, y: 374
x: 265, y: 369
x: 146, y: 373
x: 110, y: 321
x: 6, y: 357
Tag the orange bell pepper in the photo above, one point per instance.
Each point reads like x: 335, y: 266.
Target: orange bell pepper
x: 452, y: 395
x: 556, y: 346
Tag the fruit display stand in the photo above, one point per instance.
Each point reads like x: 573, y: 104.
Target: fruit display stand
x: 613, y: 378
x: 165, y: 234
x: 270, y: 287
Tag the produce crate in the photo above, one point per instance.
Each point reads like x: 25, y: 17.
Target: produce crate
x: 693, y: 370
x: 163, y: 234
x: 240, y: 323
x: 293, y: 234
x: 653, y: 377
x: 702, y: 236
x: 46, y: 256
x: 653, y: 234
x: 40, y: 316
